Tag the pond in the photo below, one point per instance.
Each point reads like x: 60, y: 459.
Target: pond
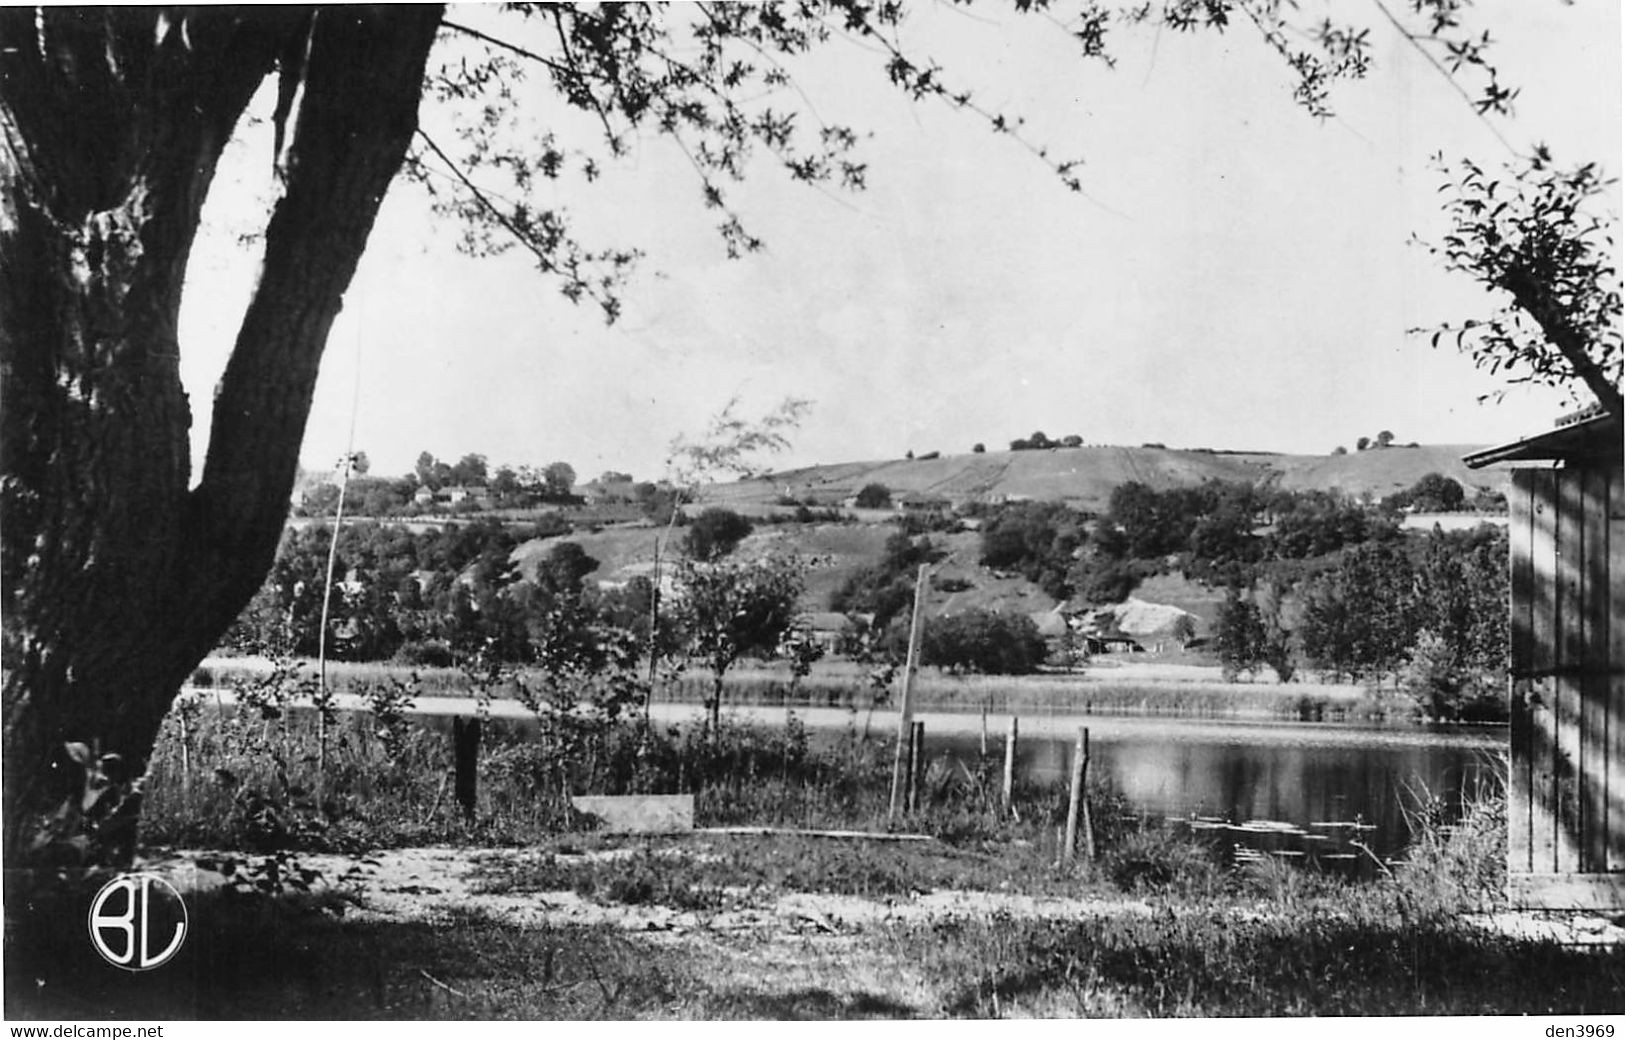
x: 1297, y: 788
x: 1277, y: 786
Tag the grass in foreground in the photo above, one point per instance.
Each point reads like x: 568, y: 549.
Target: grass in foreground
x: 701, y: 873
x: 279, y: 958
x: 1343, y: 952
x: 1316, y: 959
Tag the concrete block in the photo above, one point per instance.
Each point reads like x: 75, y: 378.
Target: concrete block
x: 639, y: 813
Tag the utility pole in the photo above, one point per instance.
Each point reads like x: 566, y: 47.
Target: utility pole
x: 906, y: 713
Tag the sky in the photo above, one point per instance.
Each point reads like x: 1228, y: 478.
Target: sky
x: 1236, y: 274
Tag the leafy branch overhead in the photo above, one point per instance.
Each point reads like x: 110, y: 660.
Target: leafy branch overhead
x: 719, y: 85
x: 1530, y: 235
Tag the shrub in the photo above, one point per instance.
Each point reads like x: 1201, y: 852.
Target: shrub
x: 1155, y: 859
x: 426, y: 653
x: 714, y: 534
x: 984, y: 641
x: 1036, y: 538
x: 874, y: 496
x: 1456, y: 860
x: 1110, y: 581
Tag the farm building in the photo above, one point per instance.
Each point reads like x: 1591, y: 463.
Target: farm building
x: 827, y: 627
x: 1566, y: 789
x: 922, y: 504
x: 1111, y: 645
x: 459, y: 494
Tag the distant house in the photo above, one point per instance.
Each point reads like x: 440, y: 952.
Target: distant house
x: 826, y: 626
x: 460, y: 494
x: 1134, y: 619
x: 424, y: 496
x: 914, y: 502
x: 601, y: 492
x: 1111, y: 645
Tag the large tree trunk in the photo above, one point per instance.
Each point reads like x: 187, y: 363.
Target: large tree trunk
x: 118, y: 577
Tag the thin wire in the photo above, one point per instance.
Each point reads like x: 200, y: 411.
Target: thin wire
x: 1431, y: 60
x: 345, y: 465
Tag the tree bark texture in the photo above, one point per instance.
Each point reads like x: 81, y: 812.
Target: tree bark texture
x: 118, y: 576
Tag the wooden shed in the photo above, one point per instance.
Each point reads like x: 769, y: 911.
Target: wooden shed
x: 1566, y: 797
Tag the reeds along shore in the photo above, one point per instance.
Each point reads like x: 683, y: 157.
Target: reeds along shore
x: 844, y: 685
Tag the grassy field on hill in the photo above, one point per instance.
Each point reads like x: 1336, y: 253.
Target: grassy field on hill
x: 1086, y: 476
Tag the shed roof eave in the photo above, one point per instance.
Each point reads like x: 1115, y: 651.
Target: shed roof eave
x: 1594, y: 437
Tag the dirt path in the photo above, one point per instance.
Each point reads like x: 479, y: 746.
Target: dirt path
x: 437, y: 883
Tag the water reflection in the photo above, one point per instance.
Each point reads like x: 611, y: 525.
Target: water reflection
x: 1257, y: 783
x: 1302, y: 788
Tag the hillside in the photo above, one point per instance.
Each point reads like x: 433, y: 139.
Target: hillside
x: 1084, y: 477
x: 1388, y: 470
x: 833, y: 551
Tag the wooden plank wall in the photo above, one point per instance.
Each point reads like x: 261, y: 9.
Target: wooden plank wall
x: 1566, y: 798
x: 1525, y: 698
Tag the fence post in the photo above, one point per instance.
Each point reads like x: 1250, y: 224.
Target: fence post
x: 1010, y: 760
x: 984, y: 729
x: 1088, y: 820
x: 916, y: 763
x: 1076, y: 799
x: 465, y: 736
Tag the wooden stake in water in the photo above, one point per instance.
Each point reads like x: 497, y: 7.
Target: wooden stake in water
x: 905, y: 714
x: 1080, y: 769
x: 1083, y: 785
x: 465, y: 742
x: 1010, y: 760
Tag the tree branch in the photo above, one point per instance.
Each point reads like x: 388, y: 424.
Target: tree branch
x: 505, y: 45
x: 614, y: 141
x: 547, y: 260
x: 1441, y: 70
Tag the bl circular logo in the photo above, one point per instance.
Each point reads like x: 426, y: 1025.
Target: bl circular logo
x: 137, y: 922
